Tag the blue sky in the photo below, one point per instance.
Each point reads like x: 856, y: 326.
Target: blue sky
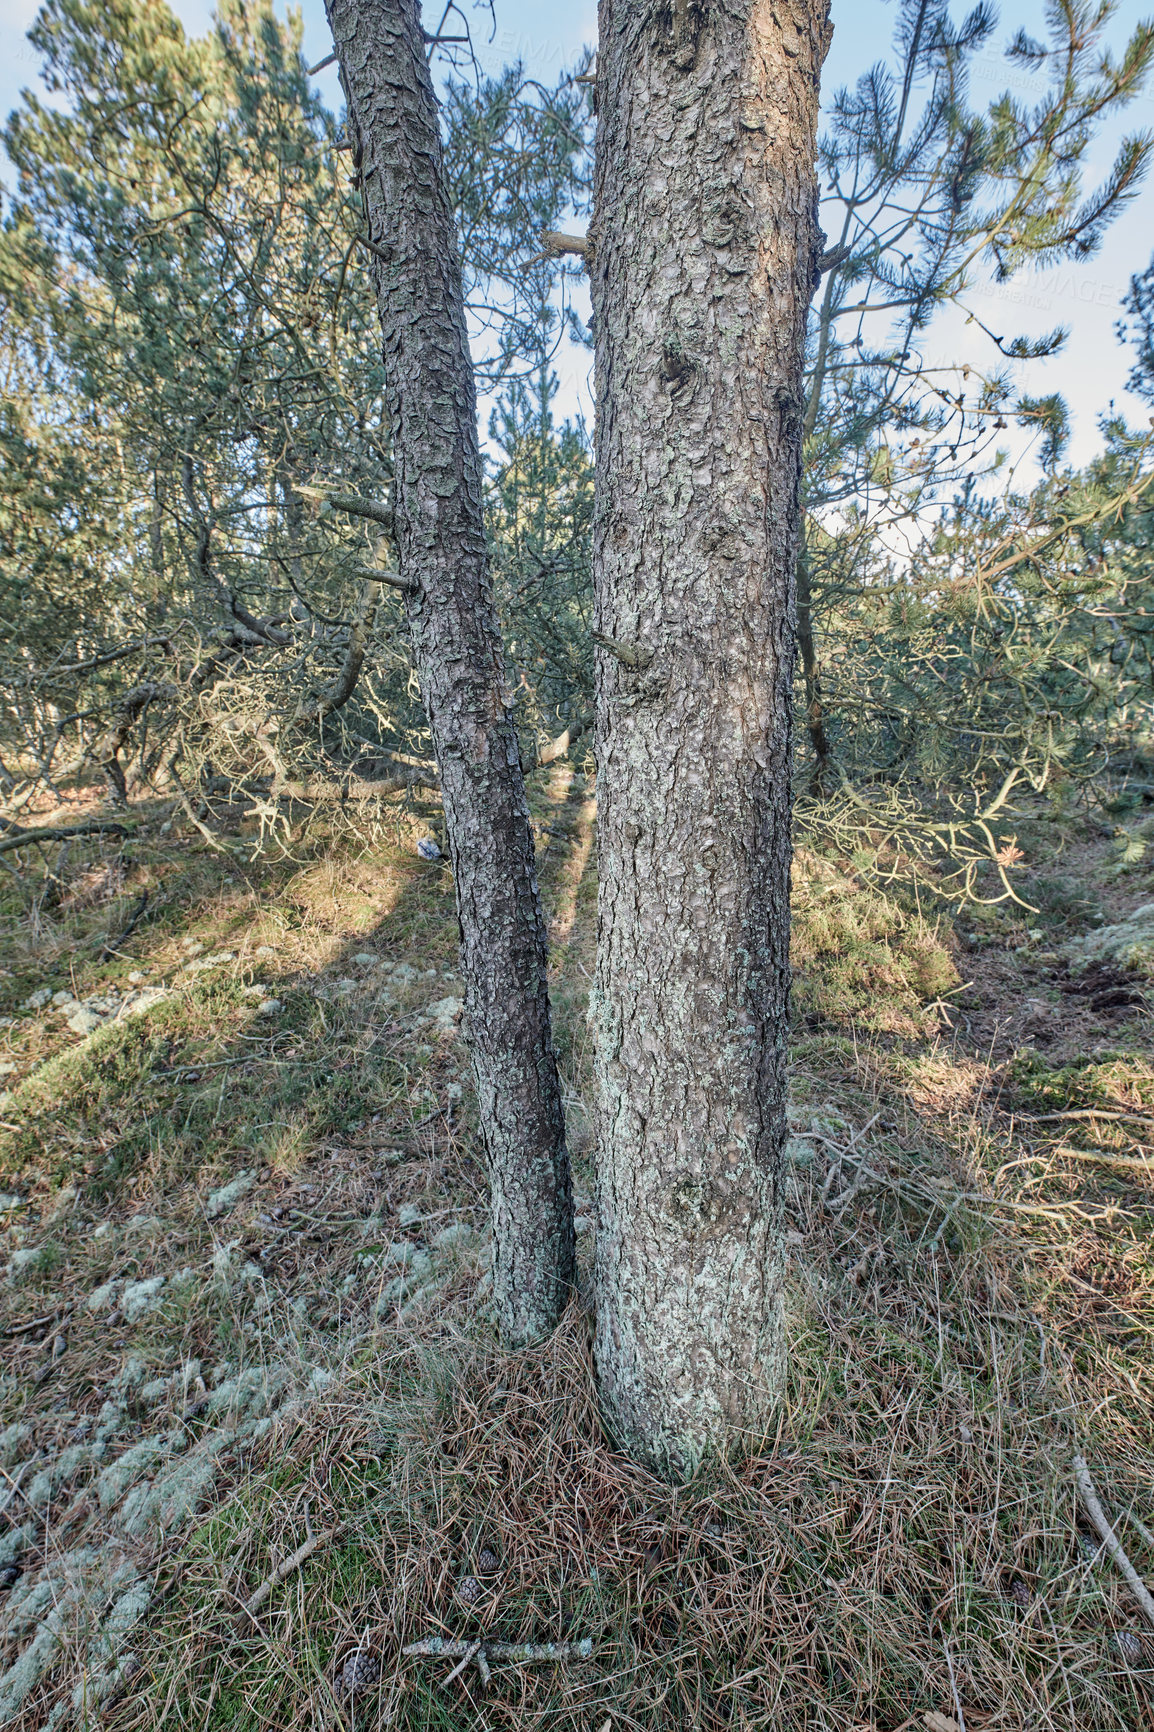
x: 547, y: 37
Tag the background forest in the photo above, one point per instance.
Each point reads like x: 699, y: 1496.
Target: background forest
x: 256, y: 1437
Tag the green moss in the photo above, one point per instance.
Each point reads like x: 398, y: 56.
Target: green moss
x: 1105, y: 1079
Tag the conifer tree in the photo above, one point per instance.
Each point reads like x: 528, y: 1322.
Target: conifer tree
x: 927, y: 198
x: 705, y: 246
x: 438, y: 529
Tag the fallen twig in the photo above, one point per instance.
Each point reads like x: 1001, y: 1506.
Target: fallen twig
x: 1109, y: 1538
x: 954, y: 1690
x: 443, y: 1648
x: 837, y: 1166
x: 301, y: 1556
x: 1102, y: 1158
x: 291, y: 1564
x: 471, y: 1653
x: 1086, y: 1113
x: 33, y: 1323
x: 112, y: 945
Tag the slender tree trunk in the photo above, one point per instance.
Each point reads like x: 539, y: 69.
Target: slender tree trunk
x: 811, y: 670
x: 440, y: 541
x: 705, y: 243
x: 806, y: 638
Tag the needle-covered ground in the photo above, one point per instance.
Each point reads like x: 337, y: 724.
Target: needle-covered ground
x: 256, y: 1438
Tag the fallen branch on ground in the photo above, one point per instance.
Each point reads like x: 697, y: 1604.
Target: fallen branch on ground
x: 17, y: 838
x: 480, y: 1653
x: 1103, y: 1158
x: 837, y: 1167
x: 1109, y: 1538
x: 444, y: 1648
x: 283, y: 1571
x: 33, y: 1323
x: 471, y: 1653
x: 294, y: 1561
x: 1087, y: 1113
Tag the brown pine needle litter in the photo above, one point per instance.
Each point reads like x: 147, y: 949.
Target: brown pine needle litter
x: 910, y: 1532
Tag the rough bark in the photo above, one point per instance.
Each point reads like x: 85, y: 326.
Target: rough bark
x: 705, y: 246
x: 440, y: 542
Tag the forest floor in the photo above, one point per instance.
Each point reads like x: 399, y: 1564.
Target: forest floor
x: 256, y: 1436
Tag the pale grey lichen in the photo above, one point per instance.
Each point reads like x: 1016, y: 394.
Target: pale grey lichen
x: 216, y: 960
x: 14, y: 1542
x: 457, y: 1233
x: 403, y: 1286
x: 27, y: 1258
x: 103, y: 1298
x: 67, y: 1466
x: 140, y: 1297
x: 116, y: 1478
x: 167, y: 1503
x: 226, y: 1197
x: 12, y: 1441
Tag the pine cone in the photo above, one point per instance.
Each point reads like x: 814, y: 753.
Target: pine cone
x: 1135, y: 1647
x: 488, y: 1562
x: 469, y: 1590
x: 359, y: 1673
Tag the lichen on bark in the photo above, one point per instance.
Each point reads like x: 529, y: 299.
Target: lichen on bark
x: 704, y: 245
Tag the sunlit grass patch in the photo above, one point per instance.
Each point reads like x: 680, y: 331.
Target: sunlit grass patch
x: 860, y: 957
x: 1109, y: 1080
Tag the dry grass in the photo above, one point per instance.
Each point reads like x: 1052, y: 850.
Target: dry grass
x: 971, y: 1299
x: 915, y: 1502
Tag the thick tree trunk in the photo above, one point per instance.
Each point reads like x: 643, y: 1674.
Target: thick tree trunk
x: 705, y: 243
x: 456, y: 640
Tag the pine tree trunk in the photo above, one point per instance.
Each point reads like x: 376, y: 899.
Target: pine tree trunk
x: 705, y: 244
x: 440, y: 541
x: 811, y: 671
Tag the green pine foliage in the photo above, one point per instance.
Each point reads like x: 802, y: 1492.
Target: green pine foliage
x: 192, y: 348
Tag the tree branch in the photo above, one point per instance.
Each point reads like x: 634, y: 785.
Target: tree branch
x: 393, y: 578
x: 627, y: 653
x: 1110, y: 1539
x: 343, y: 687
x: 559, y: 245
x: 352, y: 503
x: 16, y: 838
